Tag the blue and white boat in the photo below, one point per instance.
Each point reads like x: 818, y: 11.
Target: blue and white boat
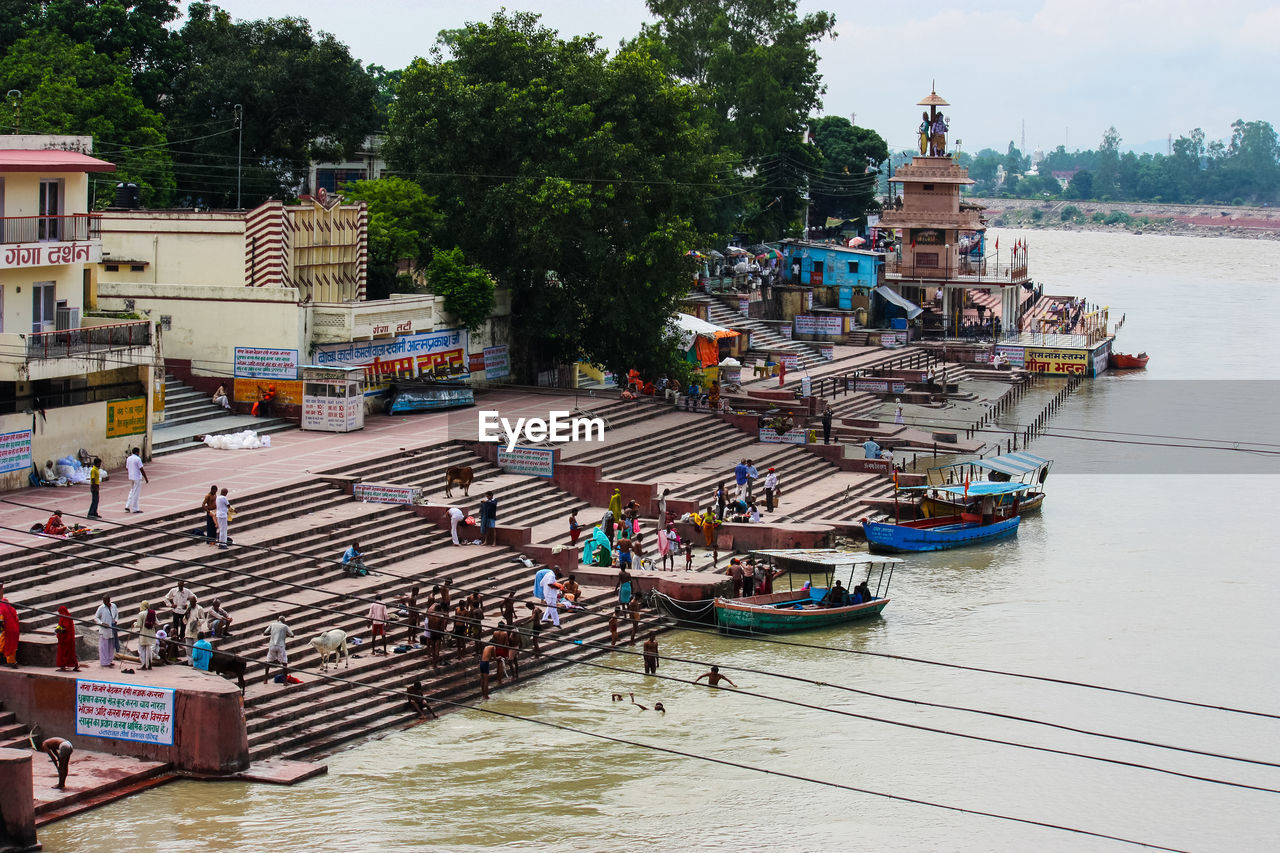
x: 990, y: 511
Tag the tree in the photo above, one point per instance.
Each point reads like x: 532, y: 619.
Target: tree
x: 574, y: 177
x: 68, y: 88
x: 303, y: 98
x: 1081, y: 186
x: 1107, y: 174
x: 467, y: 289
x: 756, y: 63
x: 402, y: 223
x: 846, y: 187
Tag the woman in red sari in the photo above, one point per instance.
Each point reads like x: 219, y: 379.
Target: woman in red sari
x: 66, y: 631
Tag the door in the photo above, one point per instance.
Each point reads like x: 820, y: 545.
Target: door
x: 50, y: 209
x: 815, y: 277
x: 44, y: 307
x: 846, y: 298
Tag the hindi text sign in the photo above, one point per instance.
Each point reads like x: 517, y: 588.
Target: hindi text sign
x: 124, y: 711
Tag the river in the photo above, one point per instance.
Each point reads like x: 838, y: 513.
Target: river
x: 1151, y: 568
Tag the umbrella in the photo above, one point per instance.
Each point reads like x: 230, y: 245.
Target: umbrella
x: 735, y: 250
x: 857, y: 241
x: 771, y: 253
x: 693, y: 253
x: 713, y: 253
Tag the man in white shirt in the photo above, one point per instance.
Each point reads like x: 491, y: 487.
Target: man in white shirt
x: 178, y: 599
x: 770, y: 489
x: 105, y: 619
x: 455, y: 518
x: 137, y: 476
x: 221, y: 514
x: 276, y: 653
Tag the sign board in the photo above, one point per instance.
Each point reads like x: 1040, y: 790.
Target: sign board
x: 827, y: 351
x: 806, y: 386
x: 332, y: 405
x: 440, y: 354
x: 785, y: 331
x: 1101, y: 358
x: 744, y: 305
x: 1017, y: 356
x: 793, y: 436
x: 124, y: 711
x: 266, y: 363
x: 20, y: 255
x: 15, y: 451
x: 808, y: 300
x: 880, y: 386
x: 893, y: 339
x: 288, y: 391
x: 377, y: 493
x: 126, y: 417
x: 789, y: 360
x: 809, y: 324
x: 475, y: 362
x: 497, y: 362
x: 530, y: 461
x: 1058, y: 361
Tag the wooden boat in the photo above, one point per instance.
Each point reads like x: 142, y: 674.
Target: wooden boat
x: 952, y: 531
x: 811, y: 606
x: 1026, y: 468
x: 935, y: 534
x: 1120, y: 361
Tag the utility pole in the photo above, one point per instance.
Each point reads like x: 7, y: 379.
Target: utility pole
x: 239, y: 113
x: 1024, y: 136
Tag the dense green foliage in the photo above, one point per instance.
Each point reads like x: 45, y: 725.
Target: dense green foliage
x: 467, y: 289
x: 572, y: 175
x: 846, y: 188
x: 1242, y: 170
x: 403, y: 221
x: 68, y: 89
x: 755, y: 64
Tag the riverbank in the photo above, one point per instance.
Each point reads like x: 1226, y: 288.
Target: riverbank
x: 1255, y: 223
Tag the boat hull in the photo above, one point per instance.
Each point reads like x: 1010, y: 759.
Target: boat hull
x: 935, y: 534
x: 768, y: 614
x: 1120, y: 361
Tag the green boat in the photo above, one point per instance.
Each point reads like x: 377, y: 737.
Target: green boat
x: 811, y: 606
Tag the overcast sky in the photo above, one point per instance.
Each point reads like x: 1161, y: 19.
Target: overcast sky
x: 1069, y: 68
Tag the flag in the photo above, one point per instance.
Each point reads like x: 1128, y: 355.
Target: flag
x: 966, y: 488
x: 997, y: 244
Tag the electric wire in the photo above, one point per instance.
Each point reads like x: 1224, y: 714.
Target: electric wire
x: 324, y: 675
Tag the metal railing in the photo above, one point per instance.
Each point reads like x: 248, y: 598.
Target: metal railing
x: 955, y: 268
x: 56, y: 399
x: 36, y: 229
x: 70, y: 342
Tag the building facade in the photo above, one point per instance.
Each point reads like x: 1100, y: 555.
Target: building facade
x: 68, y: 379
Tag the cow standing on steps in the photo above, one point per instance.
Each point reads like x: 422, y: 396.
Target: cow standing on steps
x: 330, y: 644
x: 457, y: 475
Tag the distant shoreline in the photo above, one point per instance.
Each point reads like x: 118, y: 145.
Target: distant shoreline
x: 1197, y: 220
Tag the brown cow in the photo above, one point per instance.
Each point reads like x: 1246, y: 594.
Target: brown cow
x: 457, y: 475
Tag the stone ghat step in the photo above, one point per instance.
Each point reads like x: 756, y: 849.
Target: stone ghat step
x: 365, y: 711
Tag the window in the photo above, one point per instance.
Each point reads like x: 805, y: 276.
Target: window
x: 853, y: 266
x: 50, y: 209
x: 113, y: 268
x: 44, y: 306
x: 927, y: 188
x: 136, y: 268
x: 927, y: 259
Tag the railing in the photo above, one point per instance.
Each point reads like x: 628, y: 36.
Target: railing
x: 68, y: 342
x: 961, y: 268
x: 72, y: 397
x: 913, y: 359
x: 37, y: 229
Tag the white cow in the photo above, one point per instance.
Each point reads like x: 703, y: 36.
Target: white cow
x: 331, y: 643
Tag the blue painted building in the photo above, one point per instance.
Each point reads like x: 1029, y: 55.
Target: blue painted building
x: 831, y: 265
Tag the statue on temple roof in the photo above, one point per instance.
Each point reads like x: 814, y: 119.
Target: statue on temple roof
x: 924, y: 133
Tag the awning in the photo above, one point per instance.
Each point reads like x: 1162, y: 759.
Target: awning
x: 1012, y: 464
x: 913, y: 310
x: 691, y: 327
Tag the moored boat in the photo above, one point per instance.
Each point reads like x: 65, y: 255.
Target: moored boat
x: 1121, y: 361
x: 1021, y: 467
x: 980, y: 519
x: 811, y: 606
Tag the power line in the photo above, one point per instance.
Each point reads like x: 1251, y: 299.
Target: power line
x: 714, y: 760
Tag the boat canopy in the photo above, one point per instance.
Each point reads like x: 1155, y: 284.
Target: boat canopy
x: 1012, y: 464
x: 913, y: 310
x: 823, y: 560
x: 974, y: 489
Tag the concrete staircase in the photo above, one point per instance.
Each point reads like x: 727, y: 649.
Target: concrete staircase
x: 13, y: 734
x: 764, y: 339
x: 188, y: 413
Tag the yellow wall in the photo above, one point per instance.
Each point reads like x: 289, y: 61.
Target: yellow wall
x: 203, y: 249
x: 208, y: 323
x: 22, y: 192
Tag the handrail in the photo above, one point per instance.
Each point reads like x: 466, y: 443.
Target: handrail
x: 68, y: 342
x: 35, y: 229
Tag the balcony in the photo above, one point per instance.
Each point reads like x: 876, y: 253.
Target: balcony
x: 76, y: 352
x: 960, y: 269
x: 38, y: 241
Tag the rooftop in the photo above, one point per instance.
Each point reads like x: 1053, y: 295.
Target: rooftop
x: 28, y: 160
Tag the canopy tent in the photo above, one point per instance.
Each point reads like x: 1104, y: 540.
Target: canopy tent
x: 700, y: 337
x: 891, y: 296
